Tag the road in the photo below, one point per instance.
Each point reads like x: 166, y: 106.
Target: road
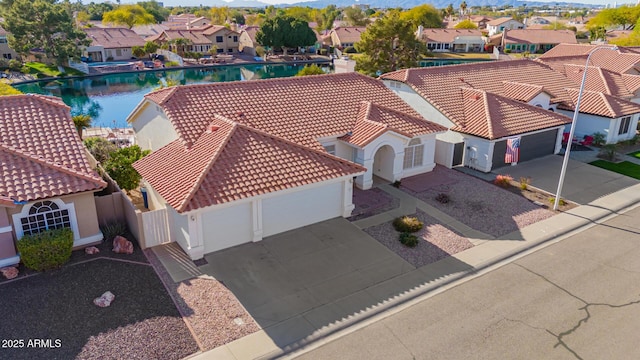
x: 576, y: 299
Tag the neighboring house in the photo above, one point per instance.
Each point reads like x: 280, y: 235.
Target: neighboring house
x: 46, y: 181
x: 6, y: 52
x: 626, y: 60
x: 505, y: 23
x: 451, y: 40
x: 247, y: 43
x: 185, y: 22
x: 109, y: 44
x: 605, y: 81
x: 145, y: 31
x: 226, y: 40
x: 481, y: 21
x: 201, y: 40
x: 238, y: 161
x: 535, y: 40
x: 345, y: 36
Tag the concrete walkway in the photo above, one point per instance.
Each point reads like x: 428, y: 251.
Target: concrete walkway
x: 390, y: 294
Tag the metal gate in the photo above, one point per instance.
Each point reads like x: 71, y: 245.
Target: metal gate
x: 458, y: 151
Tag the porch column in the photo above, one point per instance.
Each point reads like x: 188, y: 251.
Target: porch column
x: 398, y: 165
x: 556, y: 150
x: 347, y: 198
x: 365, y: 181
x: 256, y: 208
x: 8, y: 255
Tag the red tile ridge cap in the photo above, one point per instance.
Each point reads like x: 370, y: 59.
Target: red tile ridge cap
x: 50, y: 164
x: 598, y: 69
x: 52, y: 100
x: 603, y: 96
x: 205, y: 170
x: 166, y: 94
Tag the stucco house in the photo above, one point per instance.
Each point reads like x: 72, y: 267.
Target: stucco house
x: 498, y: 25
x: 6, y: 52
x: 111, y: 43
x: 247, y: 43
x: 46, y: 181
x: 201, y: 40
x: 535, y: 40
x: 345, y: 36
x: 234, y: 162
x: 451, y: 40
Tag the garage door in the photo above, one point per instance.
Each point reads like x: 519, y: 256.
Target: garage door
x: 531, y: 147
x: 227, y: 227
x: 293, y: 210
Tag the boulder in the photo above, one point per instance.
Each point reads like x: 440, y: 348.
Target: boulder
x: 9, y: 272
x: 91, y: 250
x: 105, y: 299
x: 122, y: 245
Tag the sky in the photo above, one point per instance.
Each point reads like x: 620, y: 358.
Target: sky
x: 208, y: 3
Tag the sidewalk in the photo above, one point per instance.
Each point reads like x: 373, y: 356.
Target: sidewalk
x: 391, y: 294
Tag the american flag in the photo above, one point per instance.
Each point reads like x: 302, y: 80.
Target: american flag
x: 512, y: 155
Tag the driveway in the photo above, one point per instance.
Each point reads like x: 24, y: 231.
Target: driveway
x: 284, y: 280
x: 583, y: 182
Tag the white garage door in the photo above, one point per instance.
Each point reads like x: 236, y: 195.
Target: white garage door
x: 227, y: 227
x: 293, y: 210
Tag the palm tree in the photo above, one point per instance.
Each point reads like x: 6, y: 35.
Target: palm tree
x: 180, y: 44
x: 81, y: 122
x: 463, y: 8
x: 449, y: 11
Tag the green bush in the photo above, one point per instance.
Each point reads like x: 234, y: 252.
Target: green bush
x: 350, y: 50
x: 407, y: 224
x: 171, y: 64
x: 46, y: 250
x: 111, y: 230
x: 598, y: 139
x: 552, y: 200
x: 408, y: 239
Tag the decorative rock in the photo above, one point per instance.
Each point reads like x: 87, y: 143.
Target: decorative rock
x: 122, y: 245
x: 91, y: 250
x: 104, y: 300
x: 9, y: 272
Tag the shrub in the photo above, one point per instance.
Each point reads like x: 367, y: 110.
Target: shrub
x: 171, y: 64
x: 350, y: 50
x: 113, y: 229
x: 408, y: 239
x: 260, y: 51
x: 407, y: 224
x: 507, y: 51
x: 15, y: 65
x: 46, y: 250
x: 503, y: 180
x: 524, y: 182
x: 443, y: 198
x: 119, y: 166
x: 552, y: 200
x: 598, y: 139
x: 608, y: 152
x: 396, y: 184
x: 323, y: 52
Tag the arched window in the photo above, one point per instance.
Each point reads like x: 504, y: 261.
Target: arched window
x: 44, y: 215
x: 413, y: 154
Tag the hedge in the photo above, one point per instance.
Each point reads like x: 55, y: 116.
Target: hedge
x: 46, y: 250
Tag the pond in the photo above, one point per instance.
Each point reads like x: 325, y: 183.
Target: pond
x: 109, y: 99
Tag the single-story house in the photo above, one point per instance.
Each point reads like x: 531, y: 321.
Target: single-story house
x: 451, y: 40
x: 535, y: 40
x: 624, y: 86
x: 46, y: 181
x: 625, y: 60
x: 345, y: 36
x: 111, y: 43
x: 480, y: 21
x: 498, y: 25
x: 247, y: 43
x: 234, y: 162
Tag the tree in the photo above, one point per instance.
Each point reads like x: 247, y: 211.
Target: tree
x: 81, y: 122
x: 180, y: 45
x: 388, y: 44
x: 556, y: 25
x: 160, y: 13
x: 466, y: 24
x: 100, y: 148
x: 354, y: 16
x: 237, y: 17
x: 326, y: 17
x: 425, y: 15
x: 463, y: 8
x: 129, y: 15
x: 119, y: 166
x: 285, y: 32
x: 624, y: 16
x: 312, y: 69
x: 219, y: 15
x: 299, y: 12
x: 150, y: 47
x: 138, y: 51
x: 449, y: 11
x: 42, y: 24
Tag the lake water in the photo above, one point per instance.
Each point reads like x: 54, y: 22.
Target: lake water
x: 109, y: 99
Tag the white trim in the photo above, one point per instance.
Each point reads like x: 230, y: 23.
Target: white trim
x: 88, y: 240
x: 10, y: 261
x: 17, y: 223
x: 6, y: 229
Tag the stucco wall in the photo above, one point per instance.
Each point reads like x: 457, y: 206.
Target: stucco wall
x: 478, y: 153
x: 179, y: 227
x: 153, y: 129
x: 418, y: 103
x: 246, y: 45
x: 589, y: 124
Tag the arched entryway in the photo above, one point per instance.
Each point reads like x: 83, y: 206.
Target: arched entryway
x: 383, y: 163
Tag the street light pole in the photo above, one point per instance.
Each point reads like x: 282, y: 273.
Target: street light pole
x: 565, y: 161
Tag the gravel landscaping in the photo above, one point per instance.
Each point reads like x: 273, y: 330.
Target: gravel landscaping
x: 213, y: 312
x: 141, y: 323
x: 478, y: 204
x: 438, y: 241
x: 371, y: 202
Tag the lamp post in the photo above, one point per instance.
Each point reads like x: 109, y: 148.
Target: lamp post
x: 565, y: 161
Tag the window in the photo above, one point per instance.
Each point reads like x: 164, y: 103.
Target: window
x: 624, y: 125
x: 235, y: 38
x: 3, y: 40
x: 229, y: 50
x: 219, y: 39
x: 118, y: 52
x: 220, y: 51
x: 45, y: 215
x: 331, y: 149
x: 7, y: 56
x: 413, y: 154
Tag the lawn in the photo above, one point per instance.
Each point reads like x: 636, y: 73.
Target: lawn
x: 625, y: 168
x: 41, y: 70
x: 635, y: 154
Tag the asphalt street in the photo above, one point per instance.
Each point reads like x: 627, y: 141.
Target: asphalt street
x: 576, y: 299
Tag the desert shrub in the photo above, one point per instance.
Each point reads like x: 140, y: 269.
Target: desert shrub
x: 15, y: 65
x: 408, y: 239
x: 598, y: 139
x: 260, y: 51
x: 350, y: 50
x: 443, y: 198
x: 171, y: 64
x: 524, y: 182
x: 100, y: 148
x: 507, y: 51
x: 503, y: 180
x: 46, y: 250
x: 608, y: 152
x: 552, y: 200
x: 409, y: 224
x: 113, y: 229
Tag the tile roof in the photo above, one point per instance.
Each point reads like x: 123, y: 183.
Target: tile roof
x: 251, y: 31
x: 232, y: 161
x: 349, y: 34
x: 601, y: 104
x: 624, y: 60
x: 538, y: 36
x: 212, y: 29
x: 113, y: 38
x: 499, y: 21
x: 197, y: 37
x: 519, y: 91
x: 374, y: 120
x: 493, y: 116
x: 299, y: 109
x: 447, y: 35
x: 600, y: 80
x: 41, y: 155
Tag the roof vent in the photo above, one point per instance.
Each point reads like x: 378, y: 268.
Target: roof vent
x: 212, y: 128
x: 475, y: 97
x: 240, y: 113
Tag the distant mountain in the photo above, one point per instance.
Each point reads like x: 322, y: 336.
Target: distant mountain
x: 406, y: 4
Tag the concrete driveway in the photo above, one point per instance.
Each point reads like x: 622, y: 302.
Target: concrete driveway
x: 583, y: 182
x: 286, y: 281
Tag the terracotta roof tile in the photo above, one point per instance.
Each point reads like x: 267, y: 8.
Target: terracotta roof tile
x: 113, y: 38
x: 498, y: 21
x: 230, y: 162
x: 599, y: 80
x: 519, y: 91
x: 597, y: 103
x: 447, y: 35
x: 41, y: 154
x: 539, y: 36
x: 349, y: 34
x: 632, y: 82
x: 624, y: 60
